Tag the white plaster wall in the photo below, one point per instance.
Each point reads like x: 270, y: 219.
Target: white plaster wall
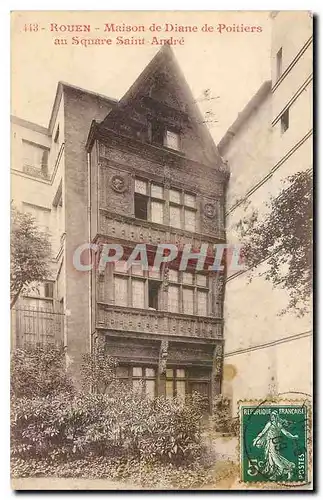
x: 280, y: 369
x: 300, y: 123
x: 248, y: 154
x: 290, y: 30
x: 252, y: 310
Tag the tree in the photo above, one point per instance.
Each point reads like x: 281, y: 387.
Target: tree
x: 283, y: 238
x: 30, y: 253
x: 98, y: 369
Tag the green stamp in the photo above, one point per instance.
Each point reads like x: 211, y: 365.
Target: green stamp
x: 273, y: 442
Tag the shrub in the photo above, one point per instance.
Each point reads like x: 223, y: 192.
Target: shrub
x: 125, y: 424
x: 38, y: 371
x: 98, y: 369
x: 222, y: 416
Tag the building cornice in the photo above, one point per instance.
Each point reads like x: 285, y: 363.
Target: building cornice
x: 149, y: 151
x: 32, y: 126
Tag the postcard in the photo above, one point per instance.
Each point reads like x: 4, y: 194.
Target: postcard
x: 161, y: 250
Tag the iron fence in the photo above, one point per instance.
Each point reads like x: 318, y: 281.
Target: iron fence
x: 35, y: 325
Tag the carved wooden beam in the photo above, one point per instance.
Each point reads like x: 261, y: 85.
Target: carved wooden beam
x: 163, y: 353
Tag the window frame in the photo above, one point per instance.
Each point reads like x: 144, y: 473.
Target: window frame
x: 191, y: 286
x: 161, y: 141
x: 284, y: 121
x: 183, y: 207
x: 42, y: 165
x: 130, y: 377
x: 49, y: 289
x: 150, y: 198
x: 165, y: 200
x: 179, y: 138
x: 130, y: 276
x: 56, y: 137
x: 174, y: 378
x: 188, y: 379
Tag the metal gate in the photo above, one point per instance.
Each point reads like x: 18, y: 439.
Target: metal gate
x: 37, y: 325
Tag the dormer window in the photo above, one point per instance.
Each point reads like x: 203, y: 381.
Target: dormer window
x: 172, y: 140
x: 157, y: 133
x: 162, y: 136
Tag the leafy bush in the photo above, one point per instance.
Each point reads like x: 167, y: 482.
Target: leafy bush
x: 98, y: 369
x: 222, y: 416
x: 38, y: 371
x: 125, y: 424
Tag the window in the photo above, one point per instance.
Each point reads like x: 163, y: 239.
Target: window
x: 188, y: 293
x: 141, y: 205
x: 180, y: 381
x: 279, y: 63
x: 56, y: 135
x: 157, y: 212
x: 202, y: 297
x: 175, y: 216
x: 149, y: 202
x: 138, y: 293
x: 172, y: 140
x: 35, y: 158
x: 182, y: 210
x: 176, y: 383
x: 157, y: 133
x: 189, y: 219
x: 284, y: 121
x: 140, y: 378
x: 121, y: 290
x: 153, y: 293
x: 188, y: 300
x: 162, y: 136
x: 49, y: 289
x: 173, y: 298
x: 136, y: 287
x: 183, y: 381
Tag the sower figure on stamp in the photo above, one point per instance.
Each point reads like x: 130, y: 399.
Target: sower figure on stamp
x: 275, y: 464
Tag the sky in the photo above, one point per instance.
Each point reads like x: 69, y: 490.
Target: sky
x: 233, y: 64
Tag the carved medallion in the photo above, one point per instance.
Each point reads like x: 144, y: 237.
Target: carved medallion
x: 118, y: 184
x: 209, y: 210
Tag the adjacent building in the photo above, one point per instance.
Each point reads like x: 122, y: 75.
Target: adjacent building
x: 140, y: 170
x: 268, y: 353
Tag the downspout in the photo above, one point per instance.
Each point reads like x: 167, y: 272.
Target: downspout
x: 89, y: 239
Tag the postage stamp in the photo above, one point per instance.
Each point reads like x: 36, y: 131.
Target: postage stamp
x: 274, y: 438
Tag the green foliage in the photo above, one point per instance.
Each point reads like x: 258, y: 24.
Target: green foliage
x: 30, y: 253
x: 125, y: 424
x: 98, y: 369
x: 38, y: 371
x: 222, y: 419
x: 284, y: 239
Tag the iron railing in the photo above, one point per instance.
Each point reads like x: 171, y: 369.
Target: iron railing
x: 34, y: 325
